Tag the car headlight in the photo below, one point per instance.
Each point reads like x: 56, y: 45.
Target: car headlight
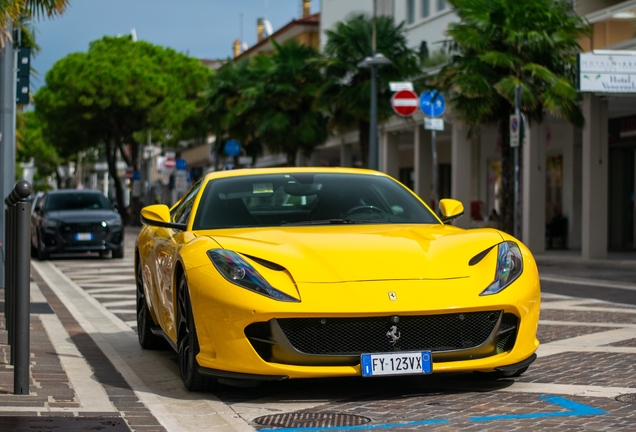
x: 238, y: 271
x: 509, y: 267
x: 115, y: 223
x: 48, y: 223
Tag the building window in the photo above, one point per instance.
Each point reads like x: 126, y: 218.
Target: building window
x: 441, y: 5
x: 410, y: 11
x: 426, y: 8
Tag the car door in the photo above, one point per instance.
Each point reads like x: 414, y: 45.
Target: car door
x: 167, y: 244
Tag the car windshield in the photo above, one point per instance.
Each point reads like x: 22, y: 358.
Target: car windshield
x: 308, y: 199
x: 76, y: 201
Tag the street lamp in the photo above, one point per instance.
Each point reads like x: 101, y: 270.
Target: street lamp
x: 373, y: 63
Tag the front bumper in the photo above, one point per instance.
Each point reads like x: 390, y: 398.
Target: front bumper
x: 240, y: 331
x: 64, y: 238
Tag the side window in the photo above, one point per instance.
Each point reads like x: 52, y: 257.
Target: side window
x: 181, y: 213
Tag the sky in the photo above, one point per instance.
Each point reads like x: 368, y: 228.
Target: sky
x: 200, y: 28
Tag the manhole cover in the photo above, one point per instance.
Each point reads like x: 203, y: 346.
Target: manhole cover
x: 628, y: 398
x: 308, y: 419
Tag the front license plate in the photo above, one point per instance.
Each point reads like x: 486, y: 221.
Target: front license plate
x: 396, y: 363
x: 84, y: 236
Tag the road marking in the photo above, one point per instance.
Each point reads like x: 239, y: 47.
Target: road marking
x: 585, y: 324
x: 548, y: 305
x: 574, y: 409
x: 587, y: 282
x: 118, y: 288
x: 120, y: 303
x: 114, y: 296
x: 90, y: 393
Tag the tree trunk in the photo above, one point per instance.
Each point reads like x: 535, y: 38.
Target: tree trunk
x: 111, y: 158
x: 507, y: 180
x: 363, y: 128
x: 135, y: 201
x: 291, y: 158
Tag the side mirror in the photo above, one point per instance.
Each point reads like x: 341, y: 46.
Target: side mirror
x: 449, y: 209
x: 159, y: 215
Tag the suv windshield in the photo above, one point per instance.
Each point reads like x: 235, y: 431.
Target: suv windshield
x: 76, y: 201
x: 307, y: 199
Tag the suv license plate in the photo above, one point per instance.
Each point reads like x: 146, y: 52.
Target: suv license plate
x: 396, y: 363
x: 84, y: 236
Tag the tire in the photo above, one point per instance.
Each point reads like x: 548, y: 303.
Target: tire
x: 42, y: 255
x: 103, y: 254
x: 118, y: 253
x: 188, y: 343
x: 501, y: 374
x: 34, y: 251
x: 147, y: 339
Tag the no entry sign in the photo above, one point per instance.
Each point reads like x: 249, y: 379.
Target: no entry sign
x: 404, y: 103
x: 169, y: 163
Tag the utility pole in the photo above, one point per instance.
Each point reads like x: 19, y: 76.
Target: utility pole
x: 7, y: 133
x: 373, y: 62
x: 373, y: 118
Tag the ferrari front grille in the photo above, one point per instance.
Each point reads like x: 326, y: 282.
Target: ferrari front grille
x: 354, y: 336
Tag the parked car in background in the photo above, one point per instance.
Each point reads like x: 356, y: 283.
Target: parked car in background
x: 71, y: 220
x: 269, y: 274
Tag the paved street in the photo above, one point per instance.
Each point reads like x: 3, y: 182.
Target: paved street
x: 88, y: 372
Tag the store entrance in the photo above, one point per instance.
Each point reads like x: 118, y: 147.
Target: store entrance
x: 622, y: 206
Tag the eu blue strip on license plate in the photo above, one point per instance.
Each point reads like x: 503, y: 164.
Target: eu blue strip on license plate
x: 396, y: 363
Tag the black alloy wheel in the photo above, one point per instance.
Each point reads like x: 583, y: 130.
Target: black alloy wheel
x: 188, y: 342
x: 147, y: 339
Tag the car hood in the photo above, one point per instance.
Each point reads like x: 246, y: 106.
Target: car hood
x: 74, y: 216
x: 364, y: 252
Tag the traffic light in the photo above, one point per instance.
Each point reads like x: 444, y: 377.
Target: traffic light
x: 24, y: 72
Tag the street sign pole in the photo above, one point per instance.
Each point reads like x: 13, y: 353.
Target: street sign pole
x: 433, y: 105
x: 434, y: 145
x: 516, y: 162
x: 7, y: 131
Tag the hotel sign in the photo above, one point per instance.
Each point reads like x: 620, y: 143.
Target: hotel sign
x: 607, y: 72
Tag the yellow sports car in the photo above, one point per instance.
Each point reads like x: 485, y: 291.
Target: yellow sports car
x: 268, y: 274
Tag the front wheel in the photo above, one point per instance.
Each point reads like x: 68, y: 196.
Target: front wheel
x: 118, y: 253
x: 188, y: 343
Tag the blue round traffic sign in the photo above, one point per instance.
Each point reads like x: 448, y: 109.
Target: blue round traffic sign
x: 232, y: 148
x: 432, y: 103
x: 181, y: 164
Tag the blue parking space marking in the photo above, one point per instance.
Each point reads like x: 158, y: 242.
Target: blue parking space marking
x: 574, y: 409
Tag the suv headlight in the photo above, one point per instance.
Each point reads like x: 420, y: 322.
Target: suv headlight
x: 114, y: 223
x: 509, y: 267
x: 239, y: 272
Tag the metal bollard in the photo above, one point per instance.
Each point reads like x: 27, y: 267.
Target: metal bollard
x: 17, y: 283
